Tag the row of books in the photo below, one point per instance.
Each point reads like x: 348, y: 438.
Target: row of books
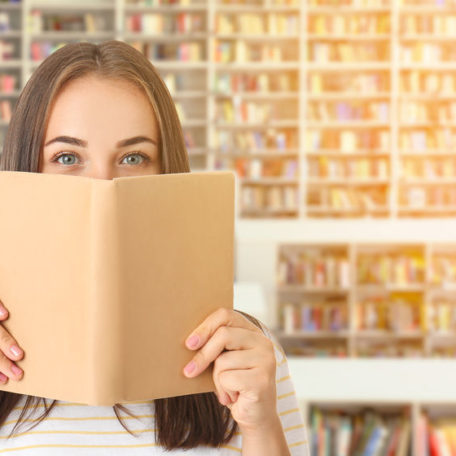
x: 339, y: 24
x: 313, y: 317
x: 431, y: 53
x: 269, y: 198
x: 441, y: 24
x: 363, y: 433
x: 361, y: 168
x: 86, y: 22
x: 313, y: 348
x: 185, y: 52
x: 242, y: 51
x: 158, y: 2
x: 256, y: 82
x: 443, y: 269
x: 5, y: 24
x: 437, y: 436
x: 346, y: 140
x: 372, y: 348
x: 8, y: 82
x: 392, y: 314
x: 5, y: 110
x: 398, y: 269
x: 255, y: 24
x: 430, y: 3
x: 313, y: 269
x: 246, y: 141
x: 348, y: 110
x: 441, y: 316
x: 434, y: 168
x: 439, y: 112
x: 416, y: 81
x: 429, y: 197
x: 348, y: 52
x: 361, y: 82
x: 422, y: 139
x: 356, y: 3
x: 155, y: 23
x: 258, y: 169
x: 342, y: 198
x: 237, y: 110
x: 39, y: 50
x: 8, y: 49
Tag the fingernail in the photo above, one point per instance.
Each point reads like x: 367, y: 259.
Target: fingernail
x: 15, y: 350
x: 3, y: 377
x: 2, y: 311
x: 193, y: 341
x: 190, y: 367
x: 16, y: 369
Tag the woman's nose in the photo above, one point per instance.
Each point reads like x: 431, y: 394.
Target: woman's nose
x: 100, y: 172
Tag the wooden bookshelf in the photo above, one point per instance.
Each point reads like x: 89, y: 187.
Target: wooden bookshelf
x: 419, y: 424
x: 367, y: 299
x: 324, y: 109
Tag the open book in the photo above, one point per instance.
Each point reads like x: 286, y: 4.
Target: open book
x: 105, y: 279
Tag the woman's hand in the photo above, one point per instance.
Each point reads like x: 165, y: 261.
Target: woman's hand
x: 244, y: 367
x: 9, y: 350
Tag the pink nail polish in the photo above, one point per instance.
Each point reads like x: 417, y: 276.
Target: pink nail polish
x: 16, y: 370
x: 193, y: 341
x: 190, y: 367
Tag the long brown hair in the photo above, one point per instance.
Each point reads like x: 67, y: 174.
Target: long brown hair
x: 184, y: 421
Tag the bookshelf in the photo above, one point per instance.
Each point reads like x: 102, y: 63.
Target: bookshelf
x: 406, y: 428
x: 367, y: 299
x: 325, y: 109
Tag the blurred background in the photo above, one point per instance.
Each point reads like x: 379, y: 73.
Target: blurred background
x: 339, y: 119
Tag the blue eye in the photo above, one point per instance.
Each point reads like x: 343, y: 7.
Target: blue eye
x: 58, y: 156
x: 144, y: 158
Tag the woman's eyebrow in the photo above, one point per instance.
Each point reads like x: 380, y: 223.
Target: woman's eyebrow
x: 135, y: 140
x: 68, y: 140
x: 82, y: 143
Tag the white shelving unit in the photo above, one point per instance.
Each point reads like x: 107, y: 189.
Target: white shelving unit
x: 286, y: 181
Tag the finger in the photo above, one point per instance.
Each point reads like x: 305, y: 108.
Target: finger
x: 242, y: 359
x: 255, y: 384
x: 223, y: 339
x: 221, y: 317
x: 9, y: 345
x: 3, y: 312
x: 9, y: 368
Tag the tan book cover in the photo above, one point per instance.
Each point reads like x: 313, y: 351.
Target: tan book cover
x: 105, y: 279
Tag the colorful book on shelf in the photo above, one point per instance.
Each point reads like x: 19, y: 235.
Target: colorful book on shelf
x: 117, y: 276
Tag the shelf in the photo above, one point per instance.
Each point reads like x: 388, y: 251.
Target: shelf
x: 349, y: 37
x: 168, y: 37
x: 313, y: 335
x: 259, y: 38
x: 348, y: 96
x: 269, y: 181
x: 60, y: 35
x: 311, y: 290
x: 369, y: 181
x: 164, y: 9
x: 358, y: 84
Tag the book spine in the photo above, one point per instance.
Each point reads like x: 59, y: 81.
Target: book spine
x: 106, y: 385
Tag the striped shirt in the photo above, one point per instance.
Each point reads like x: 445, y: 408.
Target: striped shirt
x: 77, y: 429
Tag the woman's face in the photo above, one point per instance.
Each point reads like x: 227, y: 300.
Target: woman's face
x: 102, y: 128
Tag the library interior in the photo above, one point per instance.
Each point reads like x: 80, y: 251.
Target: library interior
x: 338, y: 118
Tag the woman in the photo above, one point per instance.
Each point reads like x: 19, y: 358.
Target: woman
x: 103, y: 111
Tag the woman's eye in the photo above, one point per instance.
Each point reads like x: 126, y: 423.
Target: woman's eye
x: 65, y: 160
x: 134, y: 161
